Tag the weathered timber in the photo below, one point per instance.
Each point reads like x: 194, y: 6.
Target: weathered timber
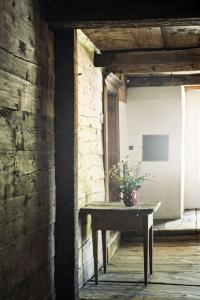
x: 13, y: 185
x: 166, y: 37
x: 24, y: 69
x: 135, y: 291
x: 170, y: 80
x: 180, y: 36
x: 27, y: 11
x: 113, y: 138
x: 18, y: 37
x: 26, y: 131
x: 27, y: 200
x: 38, y: 285
x: 18, y: 93
x: 94, y: 14
x: 25, y: 205
x: 26, y: 224
x: 149, y: 62
x: 125, y: 38
x: 176, y: 274
x: 66, y: 257
x: 27, y: 256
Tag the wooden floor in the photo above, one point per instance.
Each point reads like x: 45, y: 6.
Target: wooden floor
x: 176, y: 273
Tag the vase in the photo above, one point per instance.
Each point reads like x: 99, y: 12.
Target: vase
x: 130, y: 199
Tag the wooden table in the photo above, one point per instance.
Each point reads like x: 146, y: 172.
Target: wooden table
x: 116, y: 216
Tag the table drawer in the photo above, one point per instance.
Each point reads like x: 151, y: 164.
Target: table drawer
x: 106, y: 221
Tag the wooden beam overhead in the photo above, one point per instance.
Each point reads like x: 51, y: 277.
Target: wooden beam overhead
x: 105, y: 13
x: 192, y: 88
x: 169, y: 80
x: 149, y: 61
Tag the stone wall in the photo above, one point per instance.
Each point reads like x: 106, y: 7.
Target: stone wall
x: 27, y: 202
x: 91, y: 185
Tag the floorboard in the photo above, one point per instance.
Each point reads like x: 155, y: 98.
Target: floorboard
x: 176, y: 274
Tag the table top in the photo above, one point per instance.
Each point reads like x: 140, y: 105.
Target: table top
x: 119, y: 206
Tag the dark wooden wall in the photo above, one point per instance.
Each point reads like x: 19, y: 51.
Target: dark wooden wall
x: 27, y: 200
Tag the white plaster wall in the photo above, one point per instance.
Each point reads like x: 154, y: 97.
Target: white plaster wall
x: 157, y: 110
x: 192, y: 149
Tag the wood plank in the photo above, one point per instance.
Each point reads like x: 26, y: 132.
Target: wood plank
x: 28, y: 10
x: 181, y: 36
x: 132, y: 291
x: 19, y: 37
x: 18, y: 93
x: 27, y: 188
x: 17, y: 207
x: 93, y: 15
x: 176, y: 274
x: 36, y: 181
x: 149, y: 62
x: 38, y: 284
x: 192, y: 277
x: 26, y: 224
x: 25, y: 70
x: 125, y: 38
x: 24, y: 256
x: 100, y: 206
x: 113, y: 137
x: 169, y: 80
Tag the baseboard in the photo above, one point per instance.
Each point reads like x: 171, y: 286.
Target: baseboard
x: 163, y: 235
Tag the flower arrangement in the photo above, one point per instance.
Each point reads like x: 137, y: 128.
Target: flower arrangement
x: 126, y: 179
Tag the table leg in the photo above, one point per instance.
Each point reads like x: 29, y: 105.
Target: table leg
x: 95, y: 253
x: 146, y: 248
x: 104, y: 247
x: 151, y: 249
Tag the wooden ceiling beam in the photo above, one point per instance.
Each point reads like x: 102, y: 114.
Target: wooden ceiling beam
x: 149, y: 61
x: 163, y: 80
x: 98, y: 14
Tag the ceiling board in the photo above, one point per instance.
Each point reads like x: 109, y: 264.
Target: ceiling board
x: 144, y: 38
x: 125, y: 38
x: 180, y: 36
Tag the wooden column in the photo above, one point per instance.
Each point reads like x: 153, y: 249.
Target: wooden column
x: 66, y: 254
x: 113, y: 83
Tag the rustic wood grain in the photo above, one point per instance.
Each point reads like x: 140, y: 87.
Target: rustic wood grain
x: 128, y: 38
x: 180, y: 36
x: 17, y: 264
x: 38, y: 285
x: 27, y: 188
x: 176, y: 274
x: 149, y: 62
x: 147, y: 37
x: 162, y: 80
